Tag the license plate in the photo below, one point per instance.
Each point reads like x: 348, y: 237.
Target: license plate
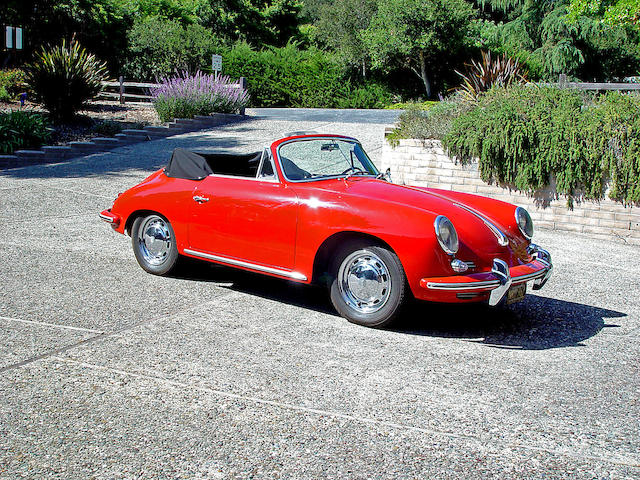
x: 516, y: 293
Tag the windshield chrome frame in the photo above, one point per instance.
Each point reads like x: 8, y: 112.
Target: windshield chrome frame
x: 327, y: 177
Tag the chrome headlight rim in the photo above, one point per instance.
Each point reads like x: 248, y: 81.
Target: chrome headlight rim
x: 527, y: 229
x: 443, y: 222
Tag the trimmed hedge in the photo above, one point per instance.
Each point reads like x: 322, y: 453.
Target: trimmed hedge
x: 290, y: 77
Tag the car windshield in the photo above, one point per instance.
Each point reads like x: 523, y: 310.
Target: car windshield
x: 324, y: 157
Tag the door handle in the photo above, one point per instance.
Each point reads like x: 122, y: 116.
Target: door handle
x: 200, y: 199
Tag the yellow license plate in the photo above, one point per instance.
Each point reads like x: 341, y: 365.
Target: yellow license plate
x: 516, y: 293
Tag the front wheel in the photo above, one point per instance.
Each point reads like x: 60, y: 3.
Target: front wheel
x: 368, y: 284
x: 154, y: 244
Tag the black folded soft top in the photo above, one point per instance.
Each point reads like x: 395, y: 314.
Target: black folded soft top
x: 187, y: 165
x: 196, y: 166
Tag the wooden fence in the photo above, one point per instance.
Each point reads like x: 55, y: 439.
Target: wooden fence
x: 564, y: 83
x: 118, y: 90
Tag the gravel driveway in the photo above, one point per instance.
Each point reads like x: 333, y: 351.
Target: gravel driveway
x: 108, y: 372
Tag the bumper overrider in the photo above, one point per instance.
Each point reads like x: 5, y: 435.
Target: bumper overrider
x: 500, y: 279
x: 111, y: 218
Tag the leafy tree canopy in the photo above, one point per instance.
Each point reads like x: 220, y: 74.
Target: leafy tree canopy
x: 610, y: 12
x: 424, y: 35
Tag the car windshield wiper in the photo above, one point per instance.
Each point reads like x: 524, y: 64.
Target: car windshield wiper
x: 356, y: 172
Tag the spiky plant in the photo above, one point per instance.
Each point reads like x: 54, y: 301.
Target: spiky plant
x: 488, y: 72
x: 64, y: 77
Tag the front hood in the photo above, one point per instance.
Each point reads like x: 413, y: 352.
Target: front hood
x: 476, y: 238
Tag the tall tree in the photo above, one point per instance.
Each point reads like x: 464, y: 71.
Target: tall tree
x: 539, y: 33
x: 427, y: 36
x: 341, y: 24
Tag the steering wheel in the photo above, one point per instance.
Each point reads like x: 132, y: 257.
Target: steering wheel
x: 352, y: 169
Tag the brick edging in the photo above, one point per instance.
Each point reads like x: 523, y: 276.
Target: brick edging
x: 425, y: 163
x: 59, y: 153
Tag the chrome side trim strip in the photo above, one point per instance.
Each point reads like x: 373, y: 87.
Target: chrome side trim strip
x: 502, y: 238
x: 242, y: 263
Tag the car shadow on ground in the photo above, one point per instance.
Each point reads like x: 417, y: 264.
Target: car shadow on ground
x: 536, y: 323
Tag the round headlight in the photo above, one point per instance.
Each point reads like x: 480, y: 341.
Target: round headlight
x: 446, y: 234
x: 525, y: 224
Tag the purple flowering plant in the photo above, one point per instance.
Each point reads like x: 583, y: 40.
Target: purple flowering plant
x: 186, y: 95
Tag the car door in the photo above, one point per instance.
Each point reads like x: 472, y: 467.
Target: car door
x: 248, y: 219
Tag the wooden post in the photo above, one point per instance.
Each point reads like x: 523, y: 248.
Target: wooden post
x: 243, y: 86
x: 121, y: 80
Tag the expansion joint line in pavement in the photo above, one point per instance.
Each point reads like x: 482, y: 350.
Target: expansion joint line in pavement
x: 627, y: 462
x: 86, y: 341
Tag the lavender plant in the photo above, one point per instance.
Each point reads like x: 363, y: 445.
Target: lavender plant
x: 185, y: 96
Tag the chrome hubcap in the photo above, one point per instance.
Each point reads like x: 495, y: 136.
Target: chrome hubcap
x: 365, y: 283
x: 154, y: 239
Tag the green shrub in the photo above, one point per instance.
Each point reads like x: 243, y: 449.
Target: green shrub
x: 432, y: 123
x: 371, y: 95
x: 108, y: 128
x: 426, y: 105
x: 290, y: 77
x: 525, y: 136
x: 159, y: 47
x: 63, y: 78
x: 22, y: 129
x: 4, y: 95
x: 11, y: 84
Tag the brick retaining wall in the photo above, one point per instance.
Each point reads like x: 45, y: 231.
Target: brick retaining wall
x: 414, y: 162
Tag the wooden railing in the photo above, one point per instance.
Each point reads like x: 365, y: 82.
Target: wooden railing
x: 564, y: 83
x: 118, y: 90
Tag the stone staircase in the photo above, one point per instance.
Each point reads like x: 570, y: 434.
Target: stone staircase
x: 54, y: 153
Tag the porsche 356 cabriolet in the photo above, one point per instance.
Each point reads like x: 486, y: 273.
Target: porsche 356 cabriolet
x: 314, y: 208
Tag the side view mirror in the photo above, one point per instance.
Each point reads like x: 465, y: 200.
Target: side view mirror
x: 387, y: 175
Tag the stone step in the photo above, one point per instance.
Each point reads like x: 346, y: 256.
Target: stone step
x: 108, y: 142
x: 8, y: 161
x: 84, y: 146
x: 187, y: 122
x: 135, y: 131
x: 30, y: 157
x: 57, y: 152
x: 208, y: 120
x: 163, y: 131
x: 140, y: 135
x: 128, y: 139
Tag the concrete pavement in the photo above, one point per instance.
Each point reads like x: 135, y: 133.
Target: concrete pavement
x: 108, y: 372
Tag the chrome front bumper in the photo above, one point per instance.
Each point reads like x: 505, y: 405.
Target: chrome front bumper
x: 501, y: 277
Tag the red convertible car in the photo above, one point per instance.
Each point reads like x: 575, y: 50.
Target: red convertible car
x: 314, y: 208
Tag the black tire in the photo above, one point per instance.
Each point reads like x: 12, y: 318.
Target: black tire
x: 154, y: 244
x: 368, y: 284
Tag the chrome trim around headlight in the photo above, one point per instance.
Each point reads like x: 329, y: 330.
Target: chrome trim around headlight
x: 516, y: 214
x: 437, y: 223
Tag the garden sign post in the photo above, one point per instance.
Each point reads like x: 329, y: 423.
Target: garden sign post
x: 216, y: 64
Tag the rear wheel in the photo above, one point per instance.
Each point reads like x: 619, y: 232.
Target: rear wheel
x: 368, y: 284
x: 154, y: 244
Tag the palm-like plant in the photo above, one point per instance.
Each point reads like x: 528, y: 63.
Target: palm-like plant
x: 489, y: 72
x: 63, y: 78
